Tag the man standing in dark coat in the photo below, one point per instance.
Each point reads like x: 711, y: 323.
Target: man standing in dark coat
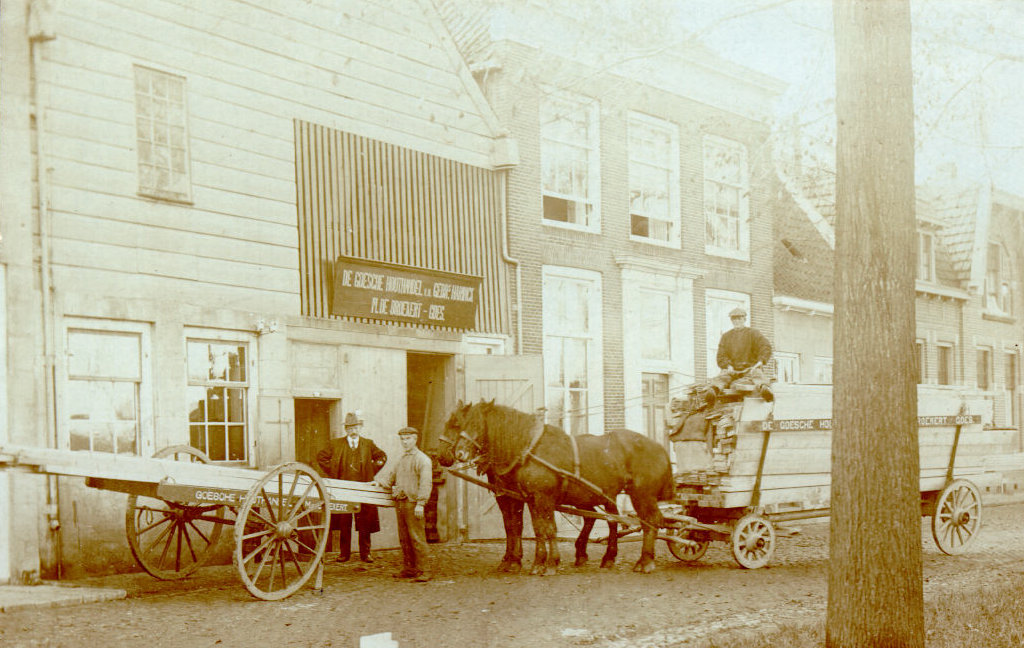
x: 354, y: 458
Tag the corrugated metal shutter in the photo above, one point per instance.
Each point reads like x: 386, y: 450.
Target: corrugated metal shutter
x: 365, y: 198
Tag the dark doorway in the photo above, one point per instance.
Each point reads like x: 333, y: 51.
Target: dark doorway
x: 312, y: 427
x: 427, y: 385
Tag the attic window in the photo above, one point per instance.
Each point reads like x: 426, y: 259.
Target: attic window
x: 797, y: 254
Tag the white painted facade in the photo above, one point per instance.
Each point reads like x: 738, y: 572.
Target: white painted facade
x: 218, y: 263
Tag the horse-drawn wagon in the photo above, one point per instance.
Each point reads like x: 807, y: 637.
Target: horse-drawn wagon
x: 761, y: 463
x: 178, y: 503
x: 767, y: 463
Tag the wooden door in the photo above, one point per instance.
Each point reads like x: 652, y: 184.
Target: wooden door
x: 312, y: 428
x: 516, y: 381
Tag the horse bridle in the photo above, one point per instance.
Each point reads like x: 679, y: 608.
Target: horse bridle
x: 464, y: 436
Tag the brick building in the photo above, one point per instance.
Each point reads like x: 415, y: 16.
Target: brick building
x: 639, y: 214
x: 969, y: 328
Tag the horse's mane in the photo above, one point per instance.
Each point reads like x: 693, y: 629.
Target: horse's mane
x: 509, y: 433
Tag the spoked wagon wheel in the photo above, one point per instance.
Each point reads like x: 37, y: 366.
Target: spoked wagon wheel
x: 753, y: 541
x: 957, y: 516
x: 281, y: 532
x: 685, y: 552
x: 171, y: 540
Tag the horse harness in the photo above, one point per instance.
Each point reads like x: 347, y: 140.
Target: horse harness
x: 536, y: 433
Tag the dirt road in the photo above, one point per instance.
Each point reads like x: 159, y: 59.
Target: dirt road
x: 469, y: 605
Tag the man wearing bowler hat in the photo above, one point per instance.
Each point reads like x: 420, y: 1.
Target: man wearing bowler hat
x: 410, y: 479
x: 354, y: 458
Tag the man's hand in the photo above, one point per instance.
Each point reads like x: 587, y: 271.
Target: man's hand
x: 418, y: 512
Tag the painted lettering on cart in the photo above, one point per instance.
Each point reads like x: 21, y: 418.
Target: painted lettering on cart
x: 826, y: 424
x: 229, y: 497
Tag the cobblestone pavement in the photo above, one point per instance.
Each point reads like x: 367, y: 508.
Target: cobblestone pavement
x: 468, y: 604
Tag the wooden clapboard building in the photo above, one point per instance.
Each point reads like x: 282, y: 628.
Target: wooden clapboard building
x: 226, y: 224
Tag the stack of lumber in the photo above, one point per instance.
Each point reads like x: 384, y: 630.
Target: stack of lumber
x: 797, y: 460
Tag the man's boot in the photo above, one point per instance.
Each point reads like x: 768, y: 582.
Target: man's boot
x: 364, y: 548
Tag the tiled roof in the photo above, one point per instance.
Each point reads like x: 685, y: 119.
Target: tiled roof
x: 803, y: 259
x: 952, y: 207
x: 956, y: 209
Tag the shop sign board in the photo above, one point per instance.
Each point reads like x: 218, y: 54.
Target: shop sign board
x: 403, y: 294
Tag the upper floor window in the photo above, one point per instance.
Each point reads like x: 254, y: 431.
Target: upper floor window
x: 998, y: 297
x: 570, y: 173
x: 653, y: 179
x: 926, y: 256
x: 726, y: 198
x: 218, y: 389
x: 161, y: 127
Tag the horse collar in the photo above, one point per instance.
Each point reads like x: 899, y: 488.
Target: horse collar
x: 535, y: 433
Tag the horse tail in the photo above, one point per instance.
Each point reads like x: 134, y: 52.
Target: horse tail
x: 668, y: 488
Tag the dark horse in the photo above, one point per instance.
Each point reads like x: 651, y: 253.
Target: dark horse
x: 540, y: 465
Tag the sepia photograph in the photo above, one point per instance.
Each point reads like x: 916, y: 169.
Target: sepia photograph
x: 511, y: 323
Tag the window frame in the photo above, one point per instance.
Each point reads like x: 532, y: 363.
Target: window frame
x: 154, y: 190
x: 145, y: 429
x: 929, y: 267
x: 921, y: 357
x: 742, y: 251
x: 555, y: 392
x: 984, y: 353
x: 550, y: 142
x: 820, y: 364
x: 784, y: 359
x: 714, y: 328
x: 636, y: 124
x: 998, y: 286
x: 948, y: 367
x: 220, y: 336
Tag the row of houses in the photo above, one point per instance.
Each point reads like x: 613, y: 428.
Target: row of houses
x: 228, y: 224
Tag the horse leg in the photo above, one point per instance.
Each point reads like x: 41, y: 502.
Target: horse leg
x: 512, y: 515
x: 582, y: 540
x: 545, y: 560
x: 647, y: 508
x: 612, y: 551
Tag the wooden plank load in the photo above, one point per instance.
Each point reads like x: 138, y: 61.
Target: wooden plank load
x: 797, y: 428
x: 169, y: 474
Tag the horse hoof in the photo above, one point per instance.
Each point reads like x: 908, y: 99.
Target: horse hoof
x: 510, y: 567
x: 644, y: 567
x: 582, y: 560
x: 550, y: 571
x: 607, y: 564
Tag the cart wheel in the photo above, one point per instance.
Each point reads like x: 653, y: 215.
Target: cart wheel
x: 753, y: 541
x: 171, y: 540
x: 282, y: 530
x: 957, y: 516
x: 688, y: 553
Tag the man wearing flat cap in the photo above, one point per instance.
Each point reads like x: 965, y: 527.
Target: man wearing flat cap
x: 742, y: 353
x: 354, y: 458
x: 410, y: 479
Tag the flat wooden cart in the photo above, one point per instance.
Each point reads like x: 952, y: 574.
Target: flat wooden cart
x: 178, y: 503
x: 771, y: 463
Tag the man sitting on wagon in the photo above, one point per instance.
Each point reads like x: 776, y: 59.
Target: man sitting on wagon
x: 743, y: 352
